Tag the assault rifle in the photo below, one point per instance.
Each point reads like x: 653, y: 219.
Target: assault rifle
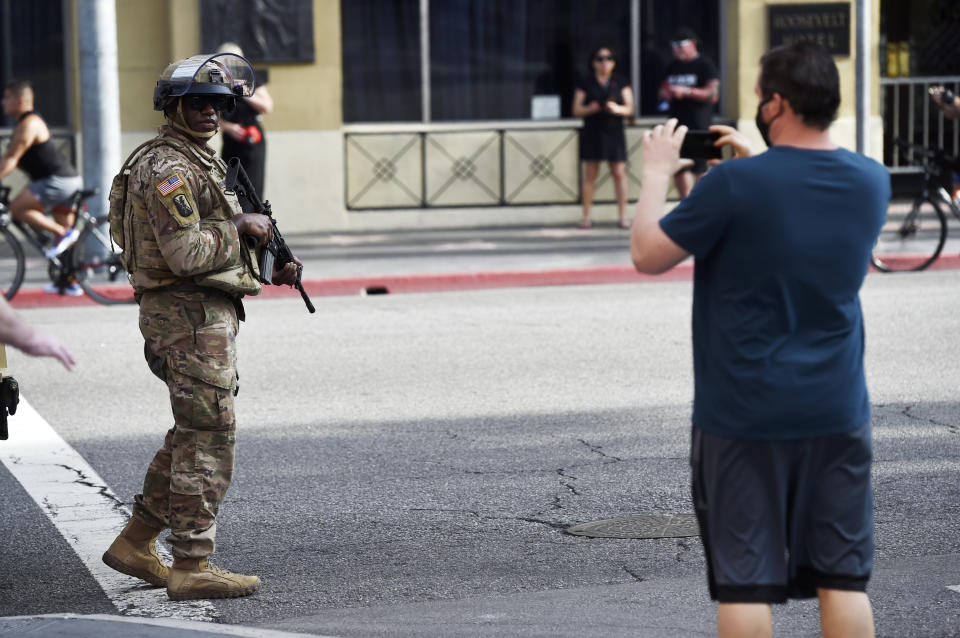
x: 276, y: 252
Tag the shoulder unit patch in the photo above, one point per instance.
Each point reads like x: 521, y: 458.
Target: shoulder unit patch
x: 183, y: 205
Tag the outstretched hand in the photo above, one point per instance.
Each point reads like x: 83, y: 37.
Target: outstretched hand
x: 44, y: 344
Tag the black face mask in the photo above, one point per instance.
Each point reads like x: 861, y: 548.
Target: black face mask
x: 763, y: 127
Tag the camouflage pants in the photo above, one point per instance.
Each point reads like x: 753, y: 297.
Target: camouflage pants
x: 193, y: 336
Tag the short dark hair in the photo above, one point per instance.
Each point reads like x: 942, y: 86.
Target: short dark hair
x: 19, y: 87
x: 804, y: 74
x: 684, y: 33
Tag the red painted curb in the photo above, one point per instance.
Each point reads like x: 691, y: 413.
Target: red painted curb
x: 943, y: 262
x: 441, y: 282
x: 438, y: 282
x: 429, y: 282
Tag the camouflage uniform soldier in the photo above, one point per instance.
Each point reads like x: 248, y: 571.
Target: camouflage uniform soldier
x: 181, y: 231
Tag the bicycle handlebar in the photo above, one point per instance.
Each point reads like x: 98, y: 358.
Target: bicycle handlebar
x: 929, y: 158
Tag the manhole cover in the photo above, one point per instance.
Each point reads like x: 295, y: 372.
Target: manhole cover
x: 672, y: 526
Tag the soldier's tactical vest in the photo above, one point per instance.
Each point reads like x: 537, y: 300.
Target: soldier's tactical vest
x: 131, y: 230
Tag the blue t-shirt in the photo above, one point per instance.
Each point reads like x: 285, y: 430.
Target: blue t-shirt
x: 782, y: 242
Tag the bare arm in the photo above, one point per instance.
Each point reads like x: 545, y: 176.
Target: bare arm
x: 950, y: 109
x: 30, y: 340
x: 261, y: 100
x: 709, y: 93
x: 651, y: 250
x: 579, y: 108
x: 625, y: 109
x: 232, y: 129
x: 24, y: 136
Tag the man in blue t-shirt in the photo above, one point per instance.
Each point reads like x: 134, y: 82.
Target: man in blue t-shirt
x: 781, y: 446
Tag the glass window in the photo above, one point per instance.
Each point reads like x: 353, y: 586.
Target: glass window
x: 928, y: 33
x: 381, y: 60
x: 488, y: 58
x: 31, y: 48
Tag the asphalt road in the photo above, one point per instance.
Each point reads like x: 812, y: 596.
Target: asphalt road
x: 407, y: 462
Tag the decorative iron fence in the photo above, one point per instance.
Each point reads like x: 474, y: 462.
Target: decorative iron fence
x: 428, y: 166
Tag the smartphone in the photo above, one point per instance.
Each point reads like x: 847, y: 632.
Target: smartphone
x: 699, y: 145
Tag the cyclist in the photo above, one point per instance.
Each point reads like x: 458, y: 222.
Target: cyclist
x: 52, y: 179
x: 950, y: 105
x: 947, y: 101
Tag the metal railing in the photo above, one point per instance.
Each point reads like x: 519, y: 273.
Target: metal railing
x: 910, y: 113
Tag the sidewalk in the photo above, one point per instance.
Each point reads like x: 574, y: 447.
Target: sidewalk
x: 435, y: 260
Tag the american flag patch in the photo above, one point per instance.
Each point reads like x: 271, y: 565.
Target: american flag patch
x: 169, y: 185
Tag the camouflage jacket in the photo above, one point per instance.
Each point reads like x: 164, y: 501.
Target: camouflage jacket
x: 181, y: 214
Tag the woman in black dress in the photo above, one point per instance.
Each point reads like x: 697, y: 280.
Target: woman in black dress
x: 603, y: 100
x: 243, y: 135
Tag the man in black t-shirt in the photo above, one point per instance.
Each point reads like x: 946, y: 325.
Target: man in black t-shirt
x: 692, y: 87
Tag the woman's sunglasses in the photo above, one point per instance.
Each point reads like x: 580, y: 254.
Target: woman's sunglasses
x: 220, y: 103
x: 603, y: 58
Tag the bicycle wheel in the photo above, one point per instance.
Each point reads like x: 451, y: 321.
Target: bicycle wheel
x: 12, y: 263
x: 98, y: 266
x: 911, y: 241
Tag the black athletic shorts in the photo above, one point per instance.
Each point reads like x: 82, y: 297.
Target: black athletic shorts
x: 779, y: 519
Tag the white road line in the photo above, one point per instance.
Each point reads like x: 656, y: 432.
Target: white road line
x: 85, y: 511
x: 955, y: 588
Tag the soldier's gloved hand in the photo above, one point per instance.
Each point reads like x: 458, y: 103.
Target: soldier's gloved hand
x: 254, y: 225
x: 287, y: 276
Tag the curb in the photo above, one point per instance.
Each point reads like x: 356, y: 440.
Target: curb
x: 442, y: 282
x: 413, y: 283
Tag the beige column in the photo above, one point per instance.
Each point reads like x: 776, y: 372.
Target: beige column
x: 748, y: 38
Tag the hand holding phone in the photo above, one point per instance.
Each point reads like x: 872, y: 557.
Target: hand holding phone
x: 700, y: 145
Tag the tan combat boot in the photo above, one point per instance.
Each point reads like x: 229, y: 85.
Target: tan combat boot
x: 134, y: 553
x: 192, y: 578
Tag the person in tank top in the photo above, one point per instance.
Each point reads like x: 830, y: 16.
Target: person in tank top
x: 52, y: 178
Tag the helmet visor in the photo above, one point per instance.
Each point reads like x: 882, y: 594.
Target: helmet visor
x: 224, y: 73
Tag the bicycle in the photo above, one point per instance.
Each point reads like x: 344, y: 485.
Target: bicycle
x: 94, y: 262
x: 917, y: 240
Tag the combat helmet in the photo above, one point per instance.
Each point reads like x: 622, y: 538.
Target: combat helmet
x: 219, y: 74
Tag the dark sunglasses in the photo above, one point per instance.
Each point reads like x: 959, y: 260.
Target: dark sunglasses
x: 218, y: 102
x: 603, y: 58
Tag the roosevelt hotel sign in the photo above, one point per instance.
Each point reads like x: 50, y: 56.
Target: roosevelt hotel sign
x: 826, y: 23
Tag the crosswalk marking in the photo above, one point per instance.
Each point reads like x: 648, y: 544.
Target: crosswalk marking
x: 86, y: 512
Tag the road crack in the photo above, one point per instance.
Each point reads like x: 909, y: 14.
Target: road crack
x: 104, y: 490
x: 598, y: 449
x: 637, y: 577
x: 951, y: 427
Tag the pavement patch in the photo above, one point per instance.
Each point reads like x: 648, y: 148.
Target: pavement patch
x: 669, y: 526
